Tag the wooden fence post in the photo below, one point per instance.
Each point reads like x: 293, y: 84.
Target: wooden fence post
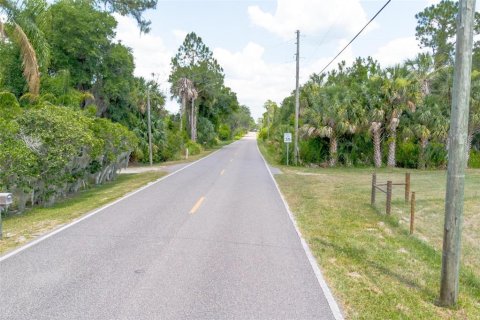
x: 389, y: 197
x: 407, y: 187
x: 412, y: 213
x: 374, y: 183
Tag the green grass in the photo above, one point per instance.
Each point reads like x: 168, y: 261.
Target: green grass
x: 202, y: 154
x: 374, y: 267
x: 19, y: 229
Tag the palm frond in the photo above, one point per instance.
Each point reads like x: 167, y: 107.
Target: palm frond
x: 29, y: 59
x: 324, y: 132
x: 375, y: 126
x: 36, y: 38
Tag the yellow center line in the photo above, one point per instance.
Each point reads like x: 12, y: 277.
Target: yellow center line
x: 197, y: 205
x: 223, y: 171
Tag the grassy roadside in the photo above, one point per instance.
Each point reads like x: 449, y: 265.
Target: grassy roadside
x: 191, y: 158
x: 19, y: 229
x: 376, y: 270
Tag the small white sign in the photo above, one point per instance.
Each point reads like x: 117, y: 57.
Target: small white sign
x: 287, y: 137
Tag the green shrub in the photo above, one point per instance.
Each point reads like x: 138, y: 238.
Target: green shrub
x: 50, y: 152
x: 474, y: 160
x: 193, y: 148
x: 239, y: 133
x: 436, y: 155
x: 313, y: 150
x: 9, y: 106
x: 206, y: 132
x: 224, y: 132
x: 262, y: 134
x: 173, y: 146
x: 407, y: 154
x: 48, y: 98
x: 137, y: 155
x: 19, y: 164
x: 28, y: 100
x: 356, y: 150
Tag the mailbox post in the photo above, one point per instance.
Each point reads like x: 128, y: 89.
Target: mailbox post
x: 6, y: 199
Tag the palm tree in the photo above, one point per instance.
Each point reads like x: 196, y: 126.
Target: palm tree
x: 429, y: 123
x: 400, y: 93
x: 29, y: 58
x: 269, y: 116
x: 182, y: 90
x: 21, y: 29
x: 193, y: 115
x: 365, y: 82
x: 331, y: 115
x: 375, y: 114
x: 422, y: 68
x: 429, y: 119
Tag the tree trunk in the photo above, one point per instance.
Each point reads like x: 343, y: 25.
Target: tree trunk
x: 181, y: 112
x: 377, y: 147
x: 333, y: 151
x: 421, y: 158
x: 188, y: 122
x: 392, y: 149
x: 194, y: 108
x: 192, y: 121
x: 392, y: 144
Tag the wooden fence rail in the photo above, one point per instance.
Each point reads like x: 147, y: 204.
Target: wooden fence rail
x: 388, y: 191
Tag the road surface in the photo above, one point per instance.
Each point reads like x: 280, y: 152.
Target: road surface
x: 213, y: 241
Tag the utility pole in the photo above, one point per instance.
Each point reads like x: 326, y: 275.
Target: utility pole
x: 457, y: 160
x: 149, y: 126
x: 297, y: 98
x: 268, y: 121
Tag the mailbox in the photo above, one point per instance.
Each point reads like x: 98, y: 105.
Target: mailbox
x: 6, y: 199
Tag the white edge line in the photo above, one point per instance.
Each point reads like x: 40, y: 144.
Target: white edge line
x: 54, y: 232
x: 313, y: 262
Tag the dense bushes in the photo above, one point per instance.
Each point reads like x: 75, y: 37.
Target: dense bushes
x: 49, y: 152
x: 398, y: 115
x: 206, y: 132
x: 193, y: 148
x: 474, y: 160
x: 313, y: 150
x: 224, y: 132
x: 407, y: 154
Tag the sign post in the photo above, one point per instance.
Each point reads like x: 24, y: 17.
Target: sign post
x: 287, y: 138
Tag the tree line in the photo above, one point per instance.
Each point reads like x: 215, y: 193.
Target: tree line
x: 72, y: 112
x: 364, y: 114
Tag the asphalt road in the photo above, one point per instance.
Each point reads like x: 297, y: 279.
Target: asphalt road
x: 213, y: 241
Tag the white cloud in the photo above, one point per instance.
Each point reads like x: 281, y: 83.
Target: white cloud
x: 180, y: 34
x: 150, y: 54
x: 397, y: 51
x: 255, y: 80
x: 342, y: 18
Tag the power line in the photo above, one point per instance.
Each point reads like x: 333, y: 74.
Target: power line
x: 373, y: 18
x: 318, y: 45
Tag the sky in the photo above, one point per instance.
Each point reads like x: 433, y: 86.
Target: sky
x: 254, y: 41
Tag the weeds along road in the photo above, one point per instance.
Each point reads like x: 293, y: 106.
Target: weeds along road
x: 213, y: 241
